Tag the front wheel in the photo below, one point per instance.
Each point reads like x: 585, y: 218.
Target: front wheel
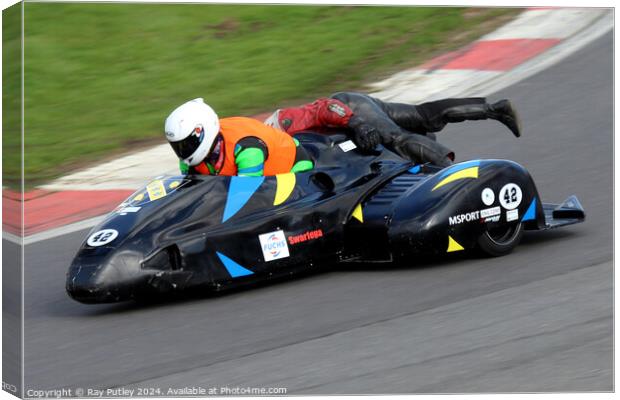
x: 501, y: 240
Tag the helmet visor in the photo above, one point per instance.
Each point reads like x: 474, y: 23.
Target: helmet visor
x: 186, y: 147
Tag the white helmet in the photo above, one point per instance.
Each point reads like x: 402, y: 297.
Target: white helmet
x: 191, y: 130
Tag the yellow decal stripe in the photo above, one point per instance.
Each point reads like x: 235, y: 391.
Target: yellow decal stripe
x: 453, y: 245
x: 358, y: 214
x: 285, y: 186
x: 156, y: 190
x: 462, y: 174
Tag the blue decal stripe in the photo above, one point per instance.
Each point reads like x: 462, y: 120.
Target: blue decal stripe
x: 235, y: 270
x: 530, y: 214
x: 240, y: 190
x: 256, y: 168
x: 459, y: 167
x: 415, y: 169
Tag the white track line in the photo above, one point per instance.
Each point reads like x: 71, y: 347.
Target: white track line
x: 554, y: 55
x: 52, y: 233
x: 547, y: 24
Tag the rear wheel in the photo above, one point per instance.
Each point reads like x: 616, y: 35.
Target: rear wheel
x: 500, y: 240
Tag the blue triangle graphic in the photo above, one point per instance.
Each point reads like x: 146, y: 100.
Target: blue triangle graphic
x: 235, y: 270
x: 415, y: 169
x: 530, y: 214
x: 240, y: 190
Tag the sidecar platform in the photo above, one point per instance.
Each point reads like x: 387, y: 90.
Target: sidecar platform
x: 569, y: 212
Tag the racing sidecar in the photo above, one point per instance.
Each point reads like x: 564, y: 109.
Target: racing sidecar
x: 211, y: 232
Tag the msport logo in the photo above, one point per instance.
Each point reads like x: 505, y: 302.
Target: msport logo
x: 273, y: 245
x: 467, y: 217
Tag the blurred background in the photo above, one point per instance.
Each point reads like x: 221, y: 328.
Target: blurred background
x: 101, y: 78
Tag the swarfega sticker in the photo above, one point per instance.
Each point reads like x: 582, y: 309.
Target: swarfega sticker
x: 306, y: 236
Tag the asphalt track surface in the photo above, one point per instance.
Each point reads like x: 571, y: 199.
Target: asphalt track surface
x: 539, y: 319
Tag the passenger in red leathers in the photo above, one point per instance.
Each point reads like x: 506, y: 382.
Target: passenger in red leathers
x: 392, y: 124
x: 321, y: 114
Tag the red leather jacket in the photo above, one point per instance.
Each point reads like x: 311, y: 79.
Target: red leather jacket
x: 322, y: 113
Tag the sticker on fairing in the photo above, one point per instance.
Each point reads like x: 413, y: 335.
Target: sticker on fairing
x: 465, y: 217
x: 510, y: 196
x: 492, y: 219
x: 102, y: 237
x: 156, y: 190
x: 126, y: 210
x: 512, y: 215
x: 347, y: 146
x: 490, y: 212
x: 488, y: 196
x: 273, y: 245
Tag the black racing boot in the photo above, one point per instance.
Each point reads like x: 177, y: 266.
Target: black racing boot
x: 503, y: 112
x: 433, y: 116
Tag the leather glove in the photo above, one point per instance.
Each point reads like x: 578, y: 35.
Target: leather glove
x: 365, y: 136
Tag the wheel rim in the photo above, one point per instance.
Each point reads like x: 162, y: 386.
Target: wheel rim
x: 503, y: 235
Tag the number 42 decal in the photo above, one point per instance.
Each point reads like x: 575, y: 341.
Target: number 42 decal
x: 102, y: 237
x: 510, y: 196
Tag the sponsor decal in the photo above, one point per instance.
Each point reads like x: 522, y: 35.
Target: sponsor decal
x: 156, y: 190
x: 510, y: 196
x: 138, y: 197
x: 102, y: 237
x: 490, y: 212
x: 306, y: 236
x: 126, y: 210
x: 512, y: 215
x: 491, y: 219
x: 466, y: 217
x: 338, y: 109
x: 273, y: 245
x: 488, y: 196
x: 347, y: 146
x: 174, y: 184
x: 170, y: 135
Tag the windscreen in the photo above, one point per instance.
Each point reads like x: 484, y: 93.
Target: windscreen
x: 155, y: 190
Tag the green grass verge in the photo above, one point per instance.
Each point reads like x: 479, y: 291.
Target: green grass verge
x: 11, y: 95
x: 101, y: 78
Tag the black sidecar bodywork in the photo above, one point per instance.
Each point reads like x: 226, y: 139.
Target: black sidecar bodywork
x: 195, y: 232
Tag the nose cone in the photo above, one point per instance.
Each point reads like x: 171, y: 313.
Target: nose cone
x: 110, y: 280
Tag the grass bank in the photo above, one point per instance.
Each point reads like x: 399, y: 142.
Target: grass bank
x: 101, y: 78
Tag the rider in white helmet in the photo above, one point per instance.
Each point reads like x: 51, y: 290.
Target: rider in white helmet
x: 191, y: 130
x: 208, y: 145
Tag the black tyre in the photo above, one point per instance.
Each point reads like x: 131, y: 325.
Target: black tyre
x: 501, y: 240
